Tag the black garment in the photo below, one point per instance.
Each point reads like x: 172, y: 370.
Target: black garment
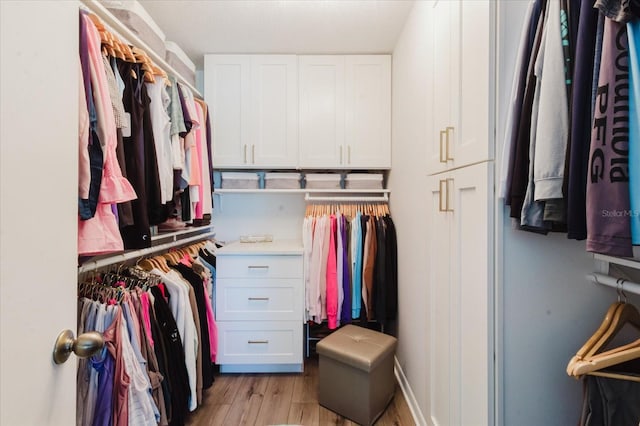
x: 611, y: 402
x: 205, y: 350
x: 137, y: 235
x: 379, y: 274
x: 391, y: 269
x: 581, y: 119
x: 522, y: 80
x: 161, y: 355
x: 125, y: 211
x: 210, y: 258
x: 520, y: 171
x: 176, y: 370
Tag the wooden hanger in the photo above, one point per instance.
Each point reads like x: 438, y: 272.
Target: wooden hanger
x: 589, y: 348
x: 623, y: 313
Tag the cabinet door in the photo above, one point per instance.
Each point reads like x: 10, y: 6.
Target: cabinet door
x: 471, y: 294
x: 321, y: 129
x: 368, y: 111
x: 443, y: 49
x: 274, y: 111
x: 439, y: 256
x: 470, y: 139
x: 228, y: 93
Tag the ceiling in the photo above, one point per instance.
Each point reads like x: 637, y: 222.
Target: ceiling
x: 280, y: 26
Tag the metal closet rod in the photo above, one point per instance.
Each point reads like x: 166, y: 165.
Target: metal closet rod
x: 619, y: 284
x: 129, y: 36
x: 123, y: 257
x: 383, y: 198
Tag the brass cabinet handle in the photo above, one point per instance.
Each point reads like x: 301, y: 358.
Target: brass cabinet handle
x: 442, y: 159
x: 349, y: 154
x: 245, y: 154
x: 258, y: 298
x: 258, y: 266
x: 447, y: 130
x: 257, y: 342
x: 443, y: 194
x: 448, y: 207
x: 442, y: 183
x: 253, y: 154
x: 340, y: 155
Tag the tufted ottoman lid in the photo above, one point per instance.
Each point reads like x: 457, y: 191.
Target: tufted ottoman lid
x: 357, y: 346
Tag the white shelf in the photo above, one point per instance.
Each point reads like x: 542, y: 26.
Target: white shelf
x: 623, y: 261
x: 301, y: 191
x: 117, y: 27
x: 177, y: 235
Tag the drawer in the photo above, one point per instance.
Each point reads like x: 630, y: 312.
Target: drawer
x: 259, y: 299
x: 262, y: 266
x: 253, y: 342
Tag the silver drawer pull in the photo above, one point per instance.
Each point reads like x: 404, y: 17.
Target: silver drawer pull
x: 258, y: 267
x: 258, y: 298
x: 258, y: 342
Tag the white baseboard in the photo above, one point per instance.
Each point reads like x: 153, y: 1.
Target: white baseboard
x: 418, y: 417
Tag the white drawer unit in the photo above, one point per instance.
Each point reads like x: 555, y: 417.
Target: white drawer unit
x: 263, y: 299
x: 260, y: 307
x: 261, y: 266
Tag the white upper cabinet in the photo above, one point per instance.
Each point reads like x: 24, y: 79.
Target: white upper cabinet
x: 368, y: 111
x: 322, y: 117
x: 461, y: 55
x: 345, y: 111
x: 228, y: 94
x: 254, y: 102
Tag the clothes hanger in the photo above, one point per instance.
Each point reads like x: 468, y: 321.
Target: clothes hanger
x: 617, y: 316
x: 608, y: 359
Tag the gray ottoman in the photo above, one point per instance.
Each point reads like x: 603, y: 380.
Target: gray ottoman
x: 356, y: 373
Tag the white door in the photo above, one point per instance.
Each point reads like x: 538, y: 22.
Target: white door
x: 227, y: 91
x: 473, y: 89
x: 439, y: 259
x: 38, y: 208
x: 442, y: 19
x: 274, y: 111
x: 471, y: 294
x: 322, y: 89
x: 368, y: 111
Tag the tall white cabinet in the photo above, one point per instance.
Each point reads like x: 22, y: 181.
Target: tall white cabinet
x: 460, y: 327
x: 460, y: 217
x: 254, y: 103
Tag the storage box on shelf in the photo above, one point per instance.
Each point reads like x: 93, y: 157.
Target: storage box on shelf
x: 137, y: 19
x: 240, y: 180
x: 179, y: 60
x: 282, y: 181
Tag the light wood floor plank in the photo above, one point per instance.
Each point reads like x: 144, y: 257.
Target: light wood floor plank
x: 251, y: 390
x: 277, y: 400
x: 306, y: 384
x: 306, y: 413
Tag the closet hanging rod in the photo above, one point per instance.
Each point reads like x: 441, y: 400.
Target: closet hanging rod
x: 627, y: 286
x: 134, y: 254
x: 384, y: 198
x: 129, y: 36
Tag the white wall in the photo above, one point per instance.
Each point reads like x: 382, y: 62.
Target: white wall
x: 407, y: 179
x: 280, y: 215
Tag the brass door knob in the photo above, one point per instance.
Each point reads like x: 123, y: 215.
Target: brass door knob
x: 86, y: 345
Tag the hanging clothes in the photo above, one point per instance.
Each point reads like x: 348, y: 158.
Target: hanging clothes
x: 352, y: 258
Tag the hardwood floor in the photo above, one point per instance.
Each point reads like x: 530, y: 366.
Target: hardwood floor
x: 276, y: 399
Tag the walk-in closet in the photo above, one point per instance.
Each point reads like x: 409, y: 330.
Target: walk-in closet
x: 320, y: 212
